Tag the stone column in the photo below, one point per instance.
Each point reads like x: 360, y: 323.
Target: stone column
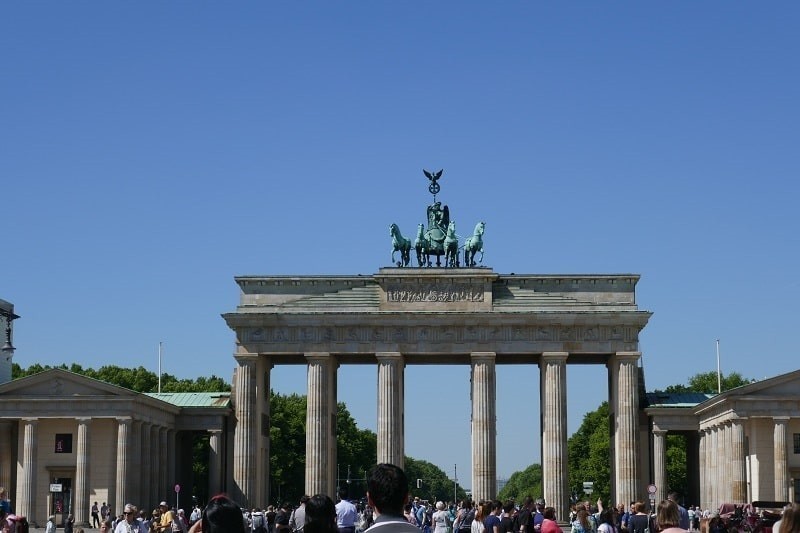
x: 168, y: 477
x: 263, y: 371
x: 660, y: 463
x: 134, y: 488
x: 246, y: 428
x: 727, y: 493
x: 215, y: 461
x: 484, y: 426
x: 391, y: 426
x: 627, y: 418
x: 553, y: 387
x: 158, y: 465
x: 5, y: 454
x: 164, y: 487
x: 781, y: 439
x: 26, y: 489
x: 83, y: 460
x: 321, y: 424
x: 173, y: 466
x: 122, y: 471
x: 713, y: 455
x: 738, y: 472
x: 147, y: 467
x: 702, y: 470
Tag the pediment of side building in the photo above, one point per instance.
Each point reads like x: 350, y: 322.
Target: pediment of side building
x: 60, y: 383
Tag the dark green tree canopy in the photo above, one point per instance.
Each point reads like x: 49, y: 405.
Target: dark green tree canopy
x: 706, y: 382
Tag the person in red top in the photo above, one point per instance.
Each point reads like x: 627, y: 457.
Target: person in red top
x: 549, y: 524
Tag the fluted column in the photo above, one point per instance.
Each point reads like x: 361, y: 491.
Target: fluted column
x: 5, y: 453
x: 553, y: 387
x: 626, y: 434
x: 215, y: 462
x: 391, y: 426
x: 726, y: 460
x: 702, y: 469
x: 134, y: 488
x: 781, y: 439
x: 737, y: 462
x: 660, y: 463
x: 146, y: 501
x: 82, y: 462
x: 484, y: 426
x: 321, y: 424
x: 246, y: 427
x: 714, y: 480
x: 172, y: 461
x: 26, y: 491
x: 122, y: 471
x: 158, y: 465
x: 164, y: 486
x: 263, y: 372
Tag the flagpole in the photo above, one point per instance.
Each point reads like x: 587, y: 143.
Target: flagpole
x: 719, y: 375
x: 159, y: 367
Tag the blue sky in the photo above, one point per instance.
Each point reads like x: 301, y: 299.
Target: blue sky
x: 151, y: 151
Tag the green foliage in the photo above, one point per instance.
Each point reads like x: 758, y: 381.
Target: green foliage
x: 706, y: 382
x: 676, y: 464
x: 137, y: 379
x: 356, y: 449
x: 588, y: 454
x: 521, y: 484
x: 435, y: 485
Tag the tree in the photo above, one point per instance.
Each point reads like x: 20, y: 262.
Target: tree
x: 706, y: 382
x: 528, y: 482
x: 434, y: 483
x: 588, y: 454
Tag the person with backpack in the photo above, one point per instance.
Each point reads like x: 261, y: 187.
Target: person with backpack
x: 258, y: 521
x: 464, y: 518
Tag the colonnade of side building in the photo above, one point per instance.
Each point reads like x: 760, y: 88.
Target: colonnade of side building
x: 251, y: 459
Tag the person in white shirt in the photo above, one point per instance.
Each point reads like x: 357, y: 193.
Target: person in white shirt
x: 346, y: 514
x: 129, y: 523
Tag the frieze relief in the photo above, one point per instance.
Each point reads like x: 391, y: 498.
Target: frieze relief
x: 434, y: 292
x: 434, y: 334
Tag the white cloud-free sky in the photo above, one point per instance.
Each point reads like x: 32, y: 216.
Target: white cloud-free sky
x: 151, y: 151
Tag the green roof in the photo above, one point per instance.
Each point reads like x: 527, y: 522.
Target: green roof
x: 194, y: 399
x: 676, y: 399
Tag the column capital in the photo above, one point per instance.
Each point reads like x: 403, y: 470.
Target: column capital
x: 781, y: 419
x: 487, y: 357
x: 124, y: 420
x: 389, y: 356
x: 556, y: 357
x: 84, y: 419
x: 660, y: 432
x: 214, y: 431
x: 29, y: 419
x: 628, y: 356
x: 319, y: 357
x: 246, y: 358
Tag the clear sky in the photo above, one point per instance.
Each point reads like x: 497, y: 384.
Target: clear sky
x: 151, y: 151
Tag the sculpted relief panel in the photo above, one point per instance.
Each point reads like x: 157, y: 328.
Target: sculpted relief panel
x: 301, y: 337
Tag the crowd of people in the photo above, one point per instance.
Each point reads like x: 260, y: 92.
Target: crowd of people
x: 388, y: 509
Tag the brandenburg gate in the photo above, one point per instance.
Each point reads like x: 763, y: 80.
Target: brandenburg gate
x: 405, y: 316
x: 442, y: 313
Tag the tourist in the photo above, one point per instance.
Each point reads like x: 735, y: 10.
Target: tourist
x: 95, y: 511
x: 790, y: 519
x: 221, y: 515
x: 166, y: 521
x: 50, y: 527
x: 441, y: 519
x: 483, y: 510
x: 320, y: 515
x: 582, y: 524
x: 298, y: 518
x: 549, y: 524
x: 129, y: 523
x: 607, y: 522
x: 346, y: 513
x: 668, y: 517
x: 683, y: 514
x: 387, y: 492
x: 492, y: 521
x: 639, y: 521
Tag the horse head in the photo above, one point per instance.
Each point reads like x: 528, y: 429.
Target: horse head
x: 479, y: 228
x: 451, y: 229
x: 394, y: 230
